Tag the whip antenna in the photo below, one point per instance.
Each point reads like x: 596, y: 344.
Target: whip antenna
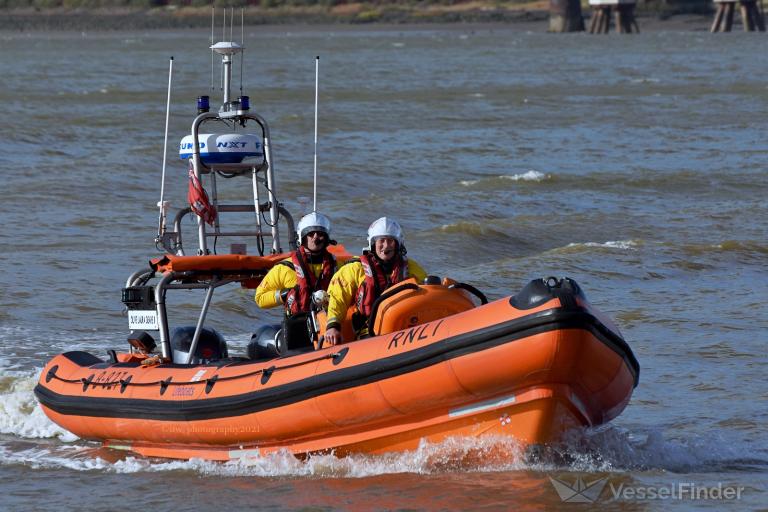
x: 223, y: 38
x: 163, y: 205
x: 213, y: 73
x: 317, y: 74
x: 242, y: 43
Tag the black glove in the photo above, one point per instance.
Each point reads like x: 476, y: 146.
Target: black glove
x: 285, y: 291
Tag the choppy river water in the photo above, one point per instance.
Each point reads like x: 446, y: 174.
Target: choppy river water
x: 635, y: 165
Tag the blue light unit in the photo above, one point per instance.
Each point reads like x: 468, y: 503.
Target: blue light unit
x: 245, y: 102
x: 203, y: 104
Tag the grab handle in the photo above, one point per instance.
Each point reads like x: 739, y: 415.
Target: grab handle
x: 471, y: 289
x: 384, y: 296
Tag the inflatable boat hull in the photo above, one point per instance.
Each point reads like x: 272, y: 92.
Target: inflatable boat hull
x: 531, y: 373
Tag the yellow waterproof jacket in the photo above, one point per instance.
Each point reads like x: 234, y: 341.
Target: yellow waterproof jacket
x: 342, y: 291
x: 280, y: 277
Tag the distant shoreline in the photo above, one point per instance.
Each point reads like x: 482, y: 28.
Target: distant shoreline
x: 354, y: 15
x: 131, y: 19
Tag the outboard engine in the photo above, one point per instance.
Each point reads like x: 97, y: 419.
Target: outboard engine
x: 290, y: 337
x: 265, y: 343
x: 210, y: 347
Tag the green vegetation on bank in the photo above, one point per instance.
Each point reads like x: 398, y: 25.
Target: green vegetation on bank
x: 140, y: 14
x: 456, y: 5
x: 100, y: 15
x: 264, y: 4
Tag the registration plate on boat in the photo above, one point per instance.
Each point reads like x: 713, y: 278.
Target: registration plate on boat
x: 143, y: 319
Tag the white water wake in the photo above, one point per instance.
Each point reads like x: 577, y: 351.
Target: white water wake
x: 20, y: 414
x: 534, y: 176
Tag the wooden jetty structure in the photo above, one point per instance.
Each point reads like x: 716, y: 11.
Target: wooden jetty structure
x: 752, y: 16
x: 600, y: 22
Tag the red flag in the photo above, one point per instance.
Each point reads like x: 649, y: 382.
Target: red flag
x: 198, y: 200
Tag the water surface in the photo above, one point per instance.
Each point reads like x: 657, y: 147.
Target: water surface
x: 635, y: 165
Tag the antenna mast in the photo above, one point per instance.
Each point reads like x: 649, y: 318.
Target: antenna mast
x: 213, y: 67
x: 317, y: 74
x: 162, y: 204
x: 242, y: 43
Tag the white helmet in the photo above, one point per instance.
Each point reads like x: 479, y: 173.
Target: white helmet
x: 313, y: 222
x: 385, y: 227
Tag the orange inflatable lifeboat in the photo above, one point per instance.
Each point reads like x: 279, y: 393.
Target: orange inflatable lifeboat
x: 441, y: 362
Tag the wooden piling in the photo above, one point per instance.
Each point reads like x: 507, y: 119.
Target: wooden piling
x: 607, y: 21
x: 600, y: 21
x: 565, y: 16
x: 746, y: 18
x: 756, y: 15
x: 729, y: 9
x: 719, y: 11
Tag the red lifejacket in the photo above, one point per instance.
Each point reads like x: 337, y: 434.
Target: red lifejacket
x: 376, y: 281
x: 299, y: 298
